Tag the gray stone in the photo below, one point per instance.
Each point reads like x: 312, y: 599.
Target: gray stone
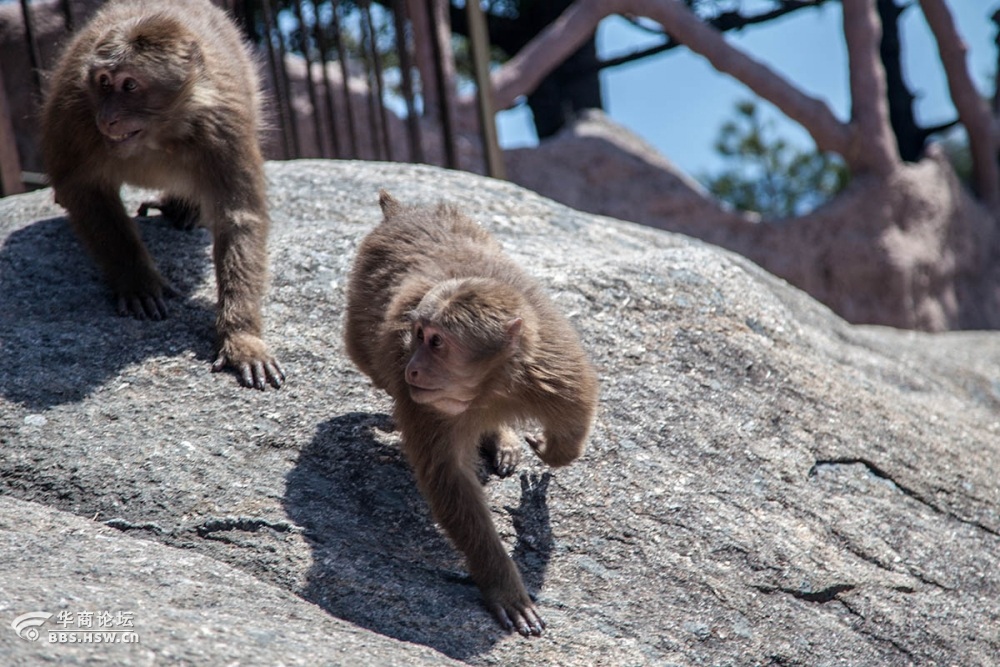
x: 765, y: 484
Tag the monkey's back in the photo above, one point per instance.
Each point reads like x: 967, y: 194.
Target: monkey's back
x: 412, y: 250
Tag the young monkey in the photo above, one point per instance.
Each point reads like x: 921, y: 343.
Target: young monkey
x: 468, y: 346
x: 165, y: 95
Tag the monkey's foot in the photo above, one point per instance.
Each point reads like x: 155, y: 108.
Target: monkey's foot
x: 517, y: 612
x: 502, y: 450
x: 181, y: 214
x: 248, y: 356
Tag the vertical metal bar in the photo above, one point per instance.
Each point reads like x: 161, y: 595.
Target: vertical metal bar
x: 379, y: 83
x: 327, y: 88
x: 447, y: 126
x: 33, y: 52
x: 68, y: 15
x: 366, y: 49
x: 282, y: 83
x: 11, y: 179
x: 480, y: 46
x: 406, y: 73
x: 289, y: 144
x: 352, y: 133
x: 310, y: 86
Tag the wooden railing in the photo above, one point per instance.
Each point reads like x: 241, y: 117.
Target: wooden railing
x: 346, y: 80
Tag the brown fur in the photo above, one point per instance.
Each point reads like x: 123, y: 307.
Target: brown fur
x: 433, y: 302
x: 179, y: 74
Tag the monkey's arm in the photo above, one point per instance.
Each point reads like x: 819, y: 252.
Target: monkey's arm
x: 110, y: 236
x: 446, y: 475
x: 566, y: 425
x: 240, y: 250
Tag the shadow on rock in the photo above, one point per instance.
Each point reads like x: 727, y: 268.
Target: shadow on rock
x: 378, y: 559
x: 60, y: 337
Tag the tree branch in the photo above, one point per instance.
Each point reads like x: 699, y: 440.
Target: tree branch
x: 524, y: 71
x: 973, y: 110
x: 723, y: 22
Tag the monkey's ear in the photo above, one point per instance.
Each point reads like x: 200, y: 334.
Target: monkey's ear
x: 390, y: 206
x: 514, y: 328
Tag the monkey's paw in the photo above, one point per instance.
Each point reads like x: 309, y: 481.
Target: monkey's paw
x: 248, y: 356
x: 147, y: 302
x: 502, y: 450
x: 519, y: 614
x: 181, y: 214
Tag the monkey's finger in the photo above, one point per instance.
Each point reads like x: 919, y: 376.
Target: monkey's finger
x: 275, y: 374
x: 151, y: 307
x: 219, y: 363
x: 133, y: 306
x: 161, y: 306
x: 528, y: 621
x: 259, y: 375
x: 246, y: 375
x: 501, y: 615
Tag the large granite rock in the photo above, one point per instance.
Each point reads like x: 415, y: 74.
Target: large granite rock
x: 765, y: 484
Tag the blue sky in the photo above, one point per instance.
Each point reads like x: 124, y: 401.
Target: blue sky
x: 677, y: 102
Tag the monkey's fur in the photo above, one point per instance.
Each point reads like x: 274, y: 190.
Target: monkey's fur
x: 468, y: 346
x: 165, y: 95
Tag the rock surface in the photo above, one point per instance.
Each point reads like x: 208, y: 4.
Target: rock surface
x: 765, y: 484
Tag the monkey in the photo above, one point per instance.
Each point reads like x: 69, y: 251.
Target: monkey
x: 165, y: 95
x: 468, y: 346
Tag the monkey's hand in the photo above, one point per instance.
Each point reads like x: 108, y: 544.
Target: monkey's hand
x: 179, y: 213
x: 145, y: 300
x: 247, y: 354
x: 503, y: 451
x: 515, y: 610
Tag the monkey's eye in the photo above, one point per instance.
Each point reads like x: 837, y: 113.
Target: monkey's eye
x: 129, y: 85
x: 436, y: 341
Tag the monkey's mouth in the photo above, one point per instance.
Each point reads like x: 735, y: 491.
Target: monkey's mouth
x: 121, y: 138
x: 448, y: 405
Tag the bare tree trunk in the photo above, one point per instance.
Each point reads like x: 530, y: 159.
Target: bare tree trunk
x: 973, y: 110
x: 872, y: 145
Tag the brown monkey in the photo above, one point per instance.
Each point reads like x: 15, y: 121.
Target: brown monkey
x: 467, y: 345
x: 165, y: 95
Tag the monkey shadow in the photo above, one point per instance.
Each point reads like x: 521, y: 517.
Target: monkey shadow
x: 378, y: 560
x: 60, y: 335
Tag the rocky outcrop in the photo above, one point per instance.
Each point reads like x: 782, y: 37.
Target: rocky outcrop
x: 765, y: 484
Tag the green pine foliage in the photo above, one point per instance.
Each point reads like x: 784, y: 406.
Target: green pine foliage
x: 767, y: 174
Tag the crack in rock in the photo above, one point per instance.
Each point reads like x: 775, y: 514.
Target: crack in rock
x: 874, y: 469
x: 828, y: 594
x: 245, y: 524
x: 125, y: 526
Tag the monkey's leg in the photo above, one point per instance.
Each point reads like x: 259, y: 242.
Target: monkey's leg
x: 240, y: 252
x: 447, y: 478
x: 112, y: 239
x: 502, y: 449
x: 181, y: 213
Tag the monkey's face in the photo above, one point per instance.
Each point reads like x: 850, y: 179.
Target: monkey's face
x: 125, y: 108
x: 440, y: 372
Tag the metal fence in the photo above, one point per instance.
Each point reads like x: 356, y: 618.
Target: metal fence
x: 342, y: 78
